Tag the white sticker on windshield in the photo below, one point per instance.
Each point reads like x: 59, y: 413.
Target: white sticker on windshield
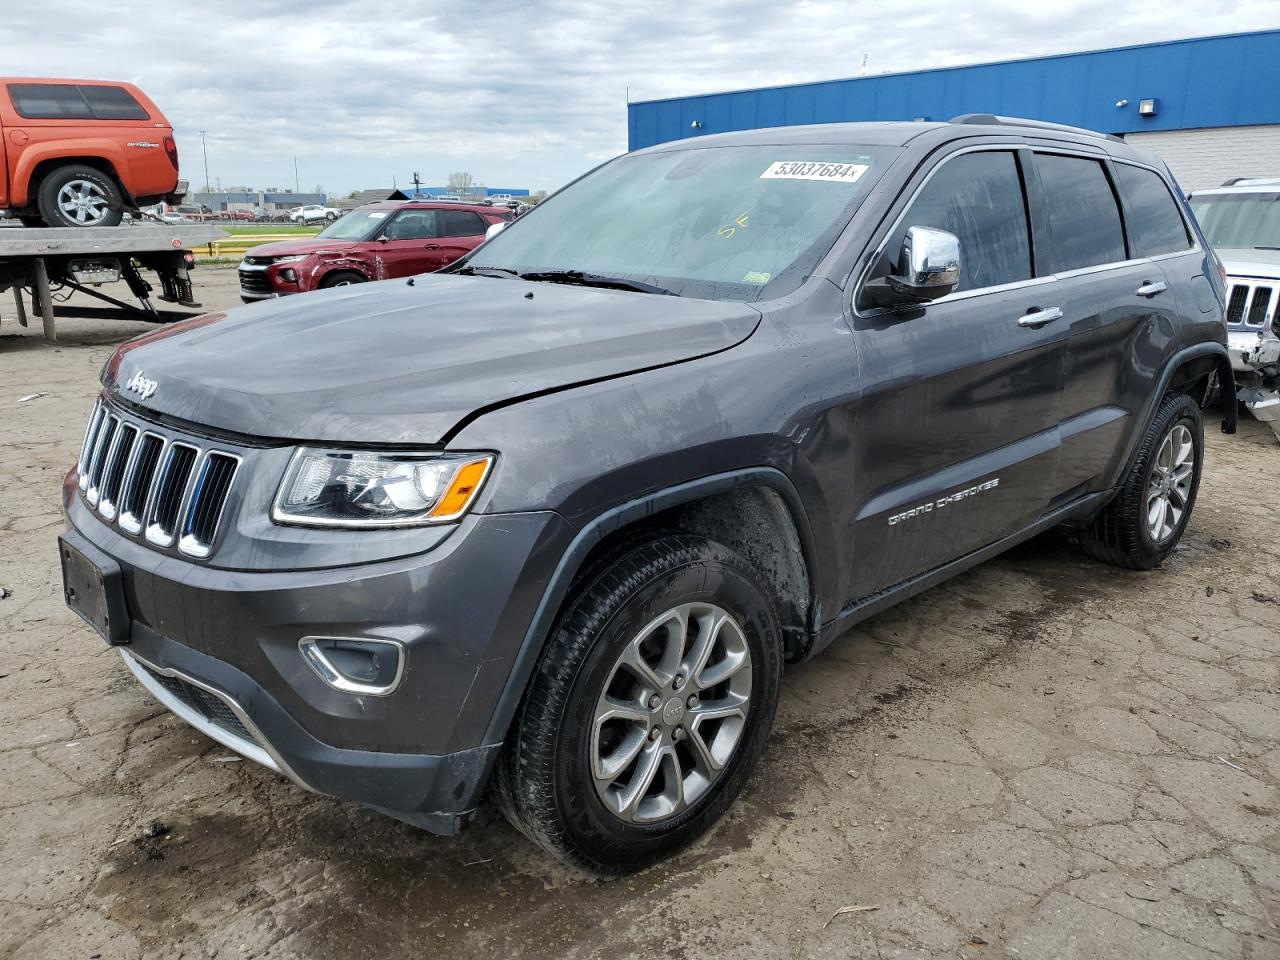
x: 377, y: 214
x: 815, y: 170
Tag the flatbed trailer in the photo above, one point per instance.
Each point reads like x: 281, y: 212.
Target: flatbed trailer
x: 48, y: 264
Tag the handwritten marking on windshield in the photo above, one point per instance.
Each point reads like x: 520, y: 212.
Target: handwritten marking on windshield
x: 728, y: 230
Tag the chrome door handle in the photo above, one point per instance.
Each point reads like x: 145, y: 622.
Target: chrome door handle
x: 1038, y: 318
x: 1151, y: 289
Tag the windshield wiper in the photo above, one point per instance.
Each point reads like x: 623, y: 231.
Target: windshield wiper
x: 595, y: 280
x: 1265, y: 247
x: 485, y: 271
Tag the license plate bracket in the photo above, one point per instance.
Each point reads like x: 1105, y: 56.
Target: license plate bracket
x: 93, y: 589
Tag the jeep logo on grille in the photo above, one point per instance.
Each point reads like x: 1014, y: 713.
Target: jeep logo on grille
x: 142, y: 385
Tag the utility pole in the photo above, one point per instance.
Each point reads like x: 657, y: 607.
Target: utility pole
x: 417, y: 184
x: 205, y: 151
x: 296, y: 187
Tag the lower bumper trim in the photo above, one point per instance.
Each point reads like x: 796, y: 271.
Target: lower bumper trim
x: 253, y: 745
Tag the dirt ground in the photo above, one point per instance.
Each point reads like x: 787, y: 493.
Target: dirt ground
x: 1043, y: 758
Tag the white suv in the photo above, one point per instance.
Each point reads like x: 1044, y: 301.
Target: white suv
x: 1241, y: 220
x: 314, y: 213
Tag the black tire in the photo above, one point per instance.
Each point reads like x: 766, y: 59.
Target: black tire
x: 1120, y: 534
x: 28, y: 221
x: 101, y: 185
x: 341, y: 278
x: 544, y: 782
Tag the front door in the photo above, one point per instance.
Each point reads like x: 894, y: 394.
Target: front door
x: 408, y: 245
x: 956, y: 444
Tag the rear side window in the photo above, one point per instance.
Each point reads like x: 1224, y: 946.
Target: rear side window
x: 1155, y: 225
x: 68, y: 101
x: 1083, y: 217
x: 460, y: 223
x: 978, y: 197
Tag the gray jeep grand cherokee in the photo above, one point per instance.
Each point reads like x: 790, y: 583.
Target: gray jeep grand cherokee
x: 552, y: 522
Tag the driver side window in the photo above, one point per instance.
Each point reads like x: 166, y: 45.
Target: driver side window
x: 412, y: 225
x: 979, y: 198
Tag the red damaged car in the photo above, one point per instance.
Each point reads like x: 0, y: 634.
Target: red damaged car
x: 378, y: 241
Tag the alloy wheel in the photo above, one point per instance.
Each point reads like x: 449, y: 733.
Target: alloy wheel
x: 1170, y: 484
x: 671, y: 714
x: 84, y: 202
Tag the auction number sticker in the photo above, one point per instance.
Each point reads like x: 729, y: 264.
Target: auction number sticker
x: 814, y: 170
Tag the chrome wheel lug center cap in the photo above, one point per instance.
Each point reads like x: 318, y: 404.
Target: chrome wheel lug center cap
x: 673, y: 711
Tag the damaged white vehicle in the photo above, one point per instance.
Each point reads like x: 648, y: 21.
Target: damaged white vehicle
x: 1241, y: 220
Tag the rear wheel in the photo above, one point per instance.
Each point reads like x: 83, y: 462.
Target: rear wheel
x: 649, y: 708
x: 1142, y: 525
x: 80, y: 196
x: 341, y: 278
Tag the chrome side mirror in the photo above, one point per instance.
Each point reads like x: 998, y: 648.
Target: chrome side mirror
x: 928, y: 265
x: 494, y: 229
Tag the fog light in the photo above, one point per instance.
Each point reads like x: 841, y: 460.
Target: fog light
x: 365, y: 667
x: 288, y: 273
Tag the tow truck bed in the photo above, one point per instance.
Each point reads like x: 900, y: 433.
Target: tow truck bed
x: 40, y: 260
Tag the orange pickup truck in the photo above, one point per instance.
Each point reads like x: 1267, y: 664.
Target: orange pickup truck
x: 78, y: 153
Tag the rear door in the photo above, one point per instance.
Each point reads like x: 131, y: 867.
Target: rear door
x: 407, y: 245
x: 956, y: 442
x: 459, y: 232
x: 1122, y: 311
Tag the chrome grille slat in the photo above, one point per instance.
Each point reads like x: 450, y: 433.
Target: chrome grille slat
x: 170, y: 492
x: 90, y: 438
x: 101, y: 448
x: 137, y: 482
x: 113, y: 473
x: 170, y: 495
x: 1251, y: 303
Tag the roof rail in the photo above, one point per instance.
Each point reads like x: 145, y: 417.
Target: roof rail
x: 1258, y: 181
x: 992, y: 120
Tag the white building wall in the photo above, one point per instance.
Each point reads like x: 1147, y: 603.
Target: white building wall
x: 1205, y: 158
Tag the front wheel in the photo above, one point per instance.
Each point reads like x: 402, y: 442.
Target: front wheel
x: 650, y: 706
x: 1145, y: 521
x: 341, y: 278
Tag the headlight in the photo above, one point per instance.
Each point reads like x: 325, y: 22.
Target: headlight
x: 291, y: 258
x: 348, y: 488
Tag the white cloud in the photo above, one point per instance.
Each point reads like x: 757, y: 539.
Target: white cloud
x: 517, y: 93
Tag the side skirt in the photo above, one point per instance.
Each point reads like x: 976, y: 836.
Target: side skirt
x: 867, y: 607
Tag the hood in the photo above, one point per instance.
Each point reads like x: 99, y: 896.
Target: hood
x: 395, y: 363
x: 293, y: 248
x: 1248, y: 262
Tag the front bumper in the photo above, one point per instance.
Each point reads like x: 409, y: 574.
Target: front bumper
x: 219, y: 648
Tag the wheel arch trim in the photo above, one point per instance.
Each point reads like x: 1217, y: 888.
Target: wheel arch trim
x: 1226, y: 376
x: 571, y: 561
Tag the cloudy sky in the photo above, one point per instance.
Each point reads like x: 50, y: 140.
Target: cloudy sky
x: 516, y: 93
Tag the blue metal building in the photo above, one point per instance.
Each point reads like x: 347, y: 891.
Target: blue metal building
x: 479, y: 191
x: 1210, y: 105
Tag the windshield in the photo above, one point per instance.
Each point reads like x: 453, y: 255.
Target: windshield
x: 356, y: 225
x: 716, y: 222
x: 1239, y: 220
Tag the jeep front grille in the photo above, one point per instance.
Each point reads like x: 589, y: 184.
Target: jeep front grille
x: 1251, y: 304
x: 169, y: 491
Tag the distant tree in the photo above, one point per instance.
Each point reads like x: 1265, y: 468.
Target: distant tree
x: 318, y: 188
x: 461, y: 183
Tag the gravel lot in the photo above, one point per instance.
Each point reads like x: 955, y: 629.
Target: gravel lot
x: 1042, y: 758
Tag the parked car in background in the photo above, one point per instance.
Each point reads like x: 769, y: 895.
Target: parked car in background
x: 194, y: 212
x: 548, y: 524
x: 1241, y: 219
x: 79, y: 153
x: 374, y: 242
x: 314, y: 213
